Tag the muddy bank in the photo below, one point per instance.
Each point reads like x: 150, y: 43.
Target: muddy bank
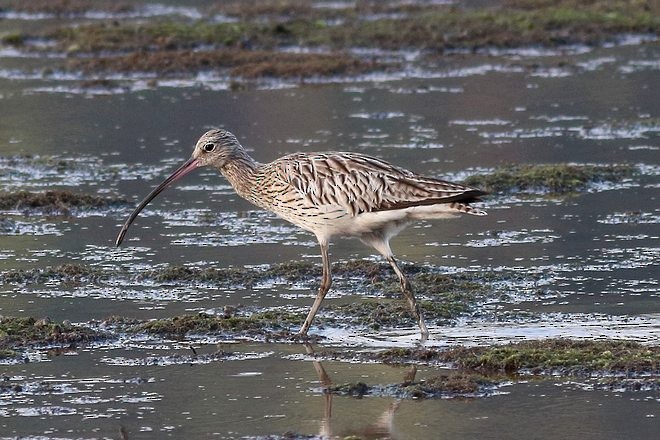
x: 56, y: 202
x: 474, y: 372
x: 550, y: 178
x: 442, y: 297
x: 563, y: 357
x: 63, y: 8
x: 434, y: 27
x: 20, y: 333
x: 268, y: 325
x: 550, y: 357
x: 256, y: 41
x: 243, y: 64
x: 456, y: 384
x: 610, y: 365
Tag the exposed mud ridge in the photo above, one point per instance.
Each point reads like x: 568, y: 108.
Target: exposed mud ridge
x: 611, y: 365
x: 257, y: 41
x: 442, y: 297
x: 61, y: 202
x: 251, y: 9
x: 270, y: 326
x: 391, y: 313
x: 7, y: 225
x: 551, y: 178
x: 564, y: 357
x: 435, y: 27
x: 64, y: 7
x: 618, y: 384
x: 66, y: 273
x: 18, y: 333
x: 240, y: 63
x: 456, y: 384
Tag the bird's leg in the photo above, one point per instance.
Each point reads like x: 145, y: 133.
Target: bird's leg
x: 406, y: 289
x: 326, y: 281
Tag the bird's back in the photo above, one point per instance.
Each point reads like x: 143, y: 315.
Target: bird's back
x: 313, y: 189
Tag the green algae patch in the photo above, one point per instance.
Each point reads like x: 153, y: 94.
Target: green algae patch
x: 457, y: 384
x: 66, y: 273
x: 434, y: 27
x: 377, y: 314
x: 64, y: 7
x: 181, y: 325
x: 551, y: 178
x: 563, y: 357
x: 256, y: 44
x: 441, y: 29
x: 448, y: 384
x: 441, y: 297
x: 353, y: 389
x: 23, y: 332
x: 568, y: 356
x: 202, y: 323
x: 12, y: 39
x: 56, y: 201
x: 9, y: 354
x: 235, y: 63
x: 290, y: 271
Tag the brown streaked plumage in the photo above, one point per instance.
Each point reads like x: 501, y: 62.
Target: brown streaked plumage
x: 329, y: 194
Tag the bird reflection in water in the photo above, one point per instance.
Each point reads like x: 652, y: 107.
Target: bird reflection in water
x: 381, y: 428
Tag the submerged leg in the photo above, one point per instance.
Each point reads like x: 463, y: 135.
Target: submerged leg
x: 406, y: 289
x: 326, y: 281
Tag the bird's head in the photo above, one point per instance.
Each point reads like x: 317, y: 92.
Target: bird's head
x: 215, y: 148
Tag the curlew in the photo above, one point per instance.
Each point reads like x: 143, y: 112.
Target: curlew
x: 330, y: 194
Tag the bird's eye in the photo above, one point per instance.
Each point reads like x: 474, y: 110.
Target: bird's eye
x: 209, y: 147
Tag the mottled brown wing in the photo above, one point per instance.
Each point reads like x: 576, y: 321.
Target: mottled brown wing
x: 362, y: 183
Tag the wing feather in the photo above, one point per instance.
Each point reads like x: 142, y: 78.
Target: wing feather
x: 360, y: 183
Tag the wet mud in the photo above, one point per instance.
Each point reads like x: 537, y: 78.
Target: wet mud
x: 56, y: 202
x: 476, y: 371
x: 443, y: 298
x: 190, y: 329
x: 253, y: 41
x: 545, y: 357
x: 20, y: 333
x: 452, y: 385
x: 552, y: 179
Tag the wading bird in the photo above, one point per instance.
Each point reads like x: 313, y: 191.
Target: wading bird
x: 330, y: 194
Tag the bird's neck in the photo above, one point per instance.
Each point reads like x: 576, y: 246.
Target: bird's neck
x: 240, y: 172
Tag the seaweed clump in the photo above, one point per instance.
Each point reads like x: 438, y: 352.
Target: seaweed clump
x: 252, y: 47
x: 55, y: 201
x: 564, y: 355
x: 552, y: 356
x: 436, y: 28
x: 65, y: 7
x: 66, y: 273
x: 202, y: 323
x: 552, y: 178
x: 240, y: 63
x: 455, y: 384
x: 444, y: 385
x: 24, y: 332
x: 290, y: 271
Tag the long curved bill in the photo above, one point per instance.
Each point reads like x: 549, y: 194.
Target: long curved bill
x: 184, y: 169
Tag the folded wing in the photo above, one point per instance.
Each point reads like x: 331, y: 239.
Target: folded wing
x: 362, y: 184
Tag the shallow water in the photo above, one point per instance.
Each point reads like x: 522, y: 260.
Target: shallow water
x: 593, y: 257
